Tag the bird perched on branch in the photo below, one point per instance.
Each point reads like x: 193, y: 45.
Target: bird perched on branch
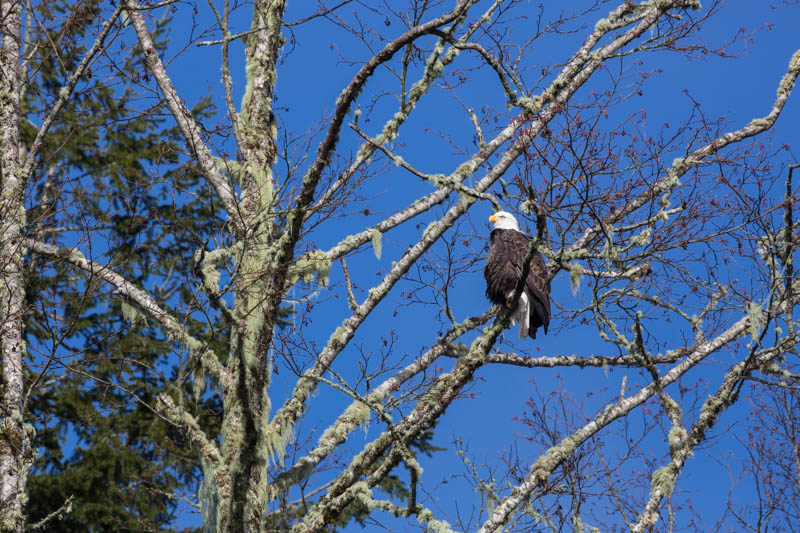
x: 508, y: 248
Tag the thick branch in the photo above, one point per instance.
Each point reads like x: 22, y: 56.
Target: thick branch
x: 207, y: 448
x: 16, y: 452
x: 581, y: 361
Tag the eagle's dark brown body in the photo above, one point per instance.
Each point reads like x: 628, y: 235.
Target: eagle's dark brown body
x: 507, y: 251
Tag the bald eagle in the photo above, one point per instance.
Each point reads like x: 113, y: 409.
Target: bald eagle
x: 508, y: 247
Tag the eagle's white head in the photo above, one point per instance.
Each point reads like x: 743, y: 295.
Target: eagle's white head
x: 504, y: 220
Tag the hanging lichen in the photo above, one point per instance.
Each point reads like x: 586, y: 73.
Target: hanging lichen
x: 575, y: 276
x: 527, y: 207
x: 275, y: 443
x: 129, y: 312
x: 198, y: 383
x: 208, y: 497
x: 376, y: 243
x: 642, y: 238
x: 313, y: 263
x: 756, y: 320
x: 464, y: 199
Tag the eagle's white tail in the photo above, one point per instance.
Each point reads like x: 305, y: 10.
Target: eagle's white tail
x: 522, y: 314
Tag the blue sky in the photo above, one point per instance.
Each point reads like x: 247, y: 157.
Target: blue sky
x: 310, y: 79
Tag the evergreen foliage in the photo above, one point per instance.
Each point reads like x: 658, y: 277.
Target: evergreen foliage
x: 122, y: 464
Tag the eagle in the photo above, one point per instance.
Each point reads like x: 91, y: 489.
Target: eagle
x: 508, y: 247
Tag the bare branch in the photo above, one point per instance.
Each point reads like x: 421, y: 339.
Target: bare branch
x: 66, y: 508
x: 182, y: 115
x: 172, y: 326
x: 543, y: 467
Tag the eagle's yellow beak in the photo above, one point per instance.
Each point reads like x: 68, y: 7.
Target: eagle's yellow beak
x: 493, y: 218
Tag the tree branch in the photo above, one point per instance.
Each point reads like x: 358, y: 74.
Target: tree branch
x: 174, y: 329
x: 182, y: 115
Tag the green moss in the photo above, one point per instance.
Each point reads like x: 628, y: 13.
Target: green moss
x: 712, y: 406
x: 545, y: 465
x: 465, y: 199
x: 463, y: 171
x: 362, y: 494
x: 356, y: 414
x: 438, y: 180
x: 425, y: 517
x: 349, y: 242
x: 211, y: 276
x: 677, y: 436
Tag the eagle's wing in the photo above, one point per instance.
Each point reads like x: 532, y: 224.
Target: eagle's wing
x: 537, y: 284
x: 538, y: 287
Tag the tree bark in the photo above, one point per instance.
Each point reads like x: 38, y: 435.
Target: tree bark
x: 15, y: 441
